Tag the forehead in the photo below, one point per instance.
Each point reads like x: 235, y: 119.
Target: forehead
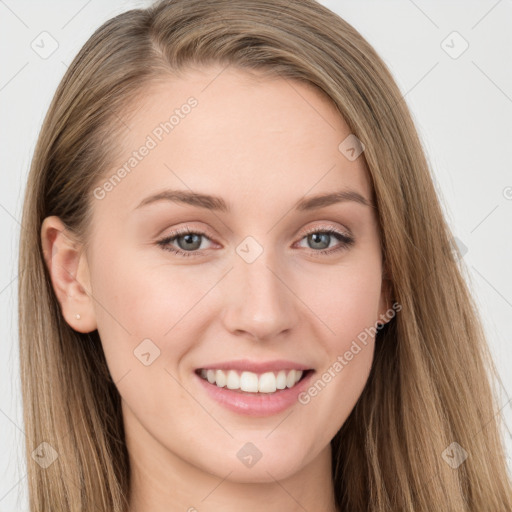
x: 226, y: 132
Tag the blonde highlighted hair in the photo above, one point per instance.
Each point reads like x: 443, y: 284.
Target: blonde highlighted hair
x: 432, y: 379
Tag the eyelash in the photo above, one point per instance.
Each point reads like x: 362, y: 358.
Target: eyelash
x: 345, y: 241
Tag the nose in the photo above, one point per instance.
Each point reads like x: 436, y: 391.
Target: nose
x: 259, y: 299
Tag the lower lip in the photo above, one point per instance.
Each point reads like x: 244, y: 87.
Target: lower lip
x: 256, y: 404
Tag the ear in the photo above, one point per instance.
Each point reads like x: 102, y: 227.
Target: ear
x: 69, y: 273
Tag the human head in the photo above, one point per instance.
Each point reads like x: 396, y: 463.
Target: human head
x: 101, y: 92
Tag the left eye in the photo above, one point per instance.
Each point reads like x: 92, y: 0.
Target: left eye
x: 320, y: 237
x: 189, y: 242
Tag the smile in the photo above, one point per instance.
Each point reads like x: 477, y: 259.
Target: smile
x: 250, y: 382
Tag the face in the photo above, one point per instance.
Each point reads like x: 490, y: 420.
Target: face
x: 180, y: 283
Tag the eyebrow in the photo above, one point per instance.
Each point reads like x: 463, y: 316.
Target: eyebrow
x: 218, y: 204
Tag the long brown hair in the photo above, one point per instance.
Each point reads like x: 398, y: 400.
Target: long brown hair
x: 432, y: 379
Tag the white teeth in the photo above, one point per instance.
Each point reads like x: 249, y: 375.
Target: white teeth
x: 290, y: 379
x: 220, y: 378
x: 281, y: 380
x: 251, y: 382
x: 233, y: 380
x: 267, y: 383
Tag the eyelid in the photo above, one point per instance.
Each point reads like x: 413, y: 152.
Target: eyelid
x: 185, y: 230
x: 326, y: 227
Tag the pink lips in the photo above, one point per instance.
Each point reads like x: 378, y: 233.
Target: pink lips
x: 255, y: 366
x: 256, y: 404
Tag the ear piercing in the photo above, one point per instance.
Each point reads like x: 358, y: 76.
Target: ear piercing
x: 77, y: 316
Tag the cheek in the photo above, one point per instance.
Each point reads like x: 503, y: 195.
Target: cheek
x: 346, y: 303
x: 344, y: 298
x: 135, y: 301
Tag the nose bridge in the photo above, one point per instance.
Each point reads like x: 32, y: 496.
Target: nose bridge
x: 259, y: 302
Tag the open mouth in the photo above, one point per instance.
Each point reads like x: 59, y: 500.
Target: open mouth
x: 253, y: 383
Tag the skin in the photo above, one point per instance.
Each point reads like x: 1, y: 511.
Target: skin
x: 261, y: 144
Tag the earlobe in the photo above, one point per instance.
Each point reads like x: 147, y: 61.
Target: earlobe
x: 69, y: 273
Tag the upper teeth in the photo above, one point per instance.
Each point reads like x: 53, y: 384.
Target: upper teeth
x: 251, y: 382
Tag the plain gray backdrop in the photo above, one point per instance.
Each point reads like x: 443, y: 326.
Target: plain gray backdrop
x: 452, y: 61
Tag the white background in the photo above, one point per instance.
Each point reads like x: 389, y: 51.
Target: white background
x: 462, y: 108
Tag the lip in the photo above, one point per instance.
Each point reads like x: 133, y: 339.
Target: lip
x: 256, y: 366
x: 255, y: 404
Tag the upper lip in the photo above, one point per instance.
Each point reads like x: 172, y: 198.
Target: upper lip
x: 256, y: 366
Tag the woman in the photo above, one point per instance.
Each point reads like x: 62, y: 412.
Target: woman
x: 346, y: 376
